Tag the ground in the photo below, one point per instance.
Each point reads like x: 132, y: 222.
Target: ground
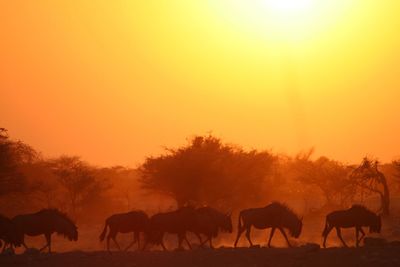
x: 249, y: 257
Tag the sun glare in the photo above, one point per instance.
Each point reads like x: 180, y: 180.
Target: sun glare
x: 295, y: 20
x: 290, y: 6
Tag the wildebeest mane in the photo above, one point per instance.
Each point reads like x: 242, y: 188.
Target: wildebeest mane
x: 285, y: 208
x: 69, y: 232
x: 361, y: 207
x: 58, y: 213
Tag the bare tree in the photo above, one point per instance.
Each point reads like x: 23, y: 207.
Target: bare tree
x: 331, y: 177
x: 396, y: 165
x: 77, y: 178
x: 367, y: 176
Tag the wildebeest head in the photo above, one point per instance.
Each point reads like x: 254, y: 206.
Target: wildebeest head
x: 376, y: 225
x: 296, y: 228
x: 69, y: 230
x: 74, y: 235
x: 226, y: 224
x: 10, y: 233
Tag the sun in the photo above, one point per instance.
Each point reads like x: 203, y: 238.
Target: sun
x: 284, y: 20
x: 290, y: 6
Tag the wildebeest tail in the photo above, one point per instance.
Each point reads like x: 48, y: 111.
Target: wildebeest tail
x: 103, y: 234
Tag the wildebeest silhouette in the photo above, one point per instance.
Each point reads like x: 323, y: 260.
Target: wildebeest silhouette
x: 209, y: 222
x: 46, y: 222
x: 275, y: 215
x: 357, y: 216
x: 130, y: 222
x: 9, y: 233
x: 175, y: 222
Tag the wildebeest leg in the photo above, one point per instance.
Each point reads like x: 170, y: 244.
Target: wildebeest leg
x: 270, y: 236
x: 12, y: 247
x: 135, y: 238
x: 7, y: 244
x: 187, y: 241
x: 160, y: 241
x: 200, y: 240
x: 180, y: 240
x: 108, y: 243
x: 146, y: 242
x: 240, y: 231
x: 115, y: 241
x: 47, y: 242
x: 112, y: 235
x: 357, y: 237
x: 48, y: 239
x: 339, y: 234
x: 362, y: 234
x: 204, y: 241
x: 326, y: 235
x: 24, y: 245
x: 248, y: 229
x: 210, y: 239
x: 162, y: 245
x: 284, y: 234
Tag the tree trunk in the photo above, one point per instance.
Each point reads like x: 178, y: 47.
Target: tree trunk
x: 385, y: 198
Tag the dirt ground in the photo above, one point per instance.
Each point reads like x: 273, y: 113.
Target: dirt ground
x: 249, y: 257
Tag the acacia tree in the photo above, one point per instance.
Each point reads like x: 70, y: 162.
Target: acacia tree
x: 331, y: 177
x: 367, y: 176
x: 396, y: 165
x: 13, y: 155
x: 78, y: 180
x: 206, y: 171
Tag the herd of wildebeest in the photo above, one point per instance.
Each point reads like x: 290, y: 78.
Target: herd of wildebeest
x: 204, y: 222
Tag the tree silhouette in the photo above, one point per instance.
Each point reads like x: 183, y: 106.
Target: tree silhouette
x: 78, y: 180
x: 331, y: 177
x: 13, y: 155
x: 396, y: 165
x: 367, y: 176
x: 206, y: 171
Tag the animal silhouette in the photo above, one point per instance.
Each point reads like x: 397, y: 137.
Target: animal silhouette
x: 175, y: 222
x: 131, y: 222
x: 275, y: 216
x: 357, y: 216
x: 9, y: 233
x: 46, y: 222
x: 209, y: 222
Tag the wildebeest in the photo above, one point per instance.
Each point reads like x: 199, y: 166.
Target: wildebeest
x: 131, y: 222
x: 357, y: 216
x: 9, y: 233
x: 209, y: 222
x: 275, y: 216
x: 46, y: 222
x: 175, y: 222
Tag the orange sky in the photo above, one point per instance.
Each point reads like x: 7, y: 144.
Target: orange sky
x: 114, y: 81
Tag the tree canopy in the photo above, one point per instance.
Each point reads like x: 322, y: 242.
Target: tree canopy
x: 206, y: 171
x: 13, y: 154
